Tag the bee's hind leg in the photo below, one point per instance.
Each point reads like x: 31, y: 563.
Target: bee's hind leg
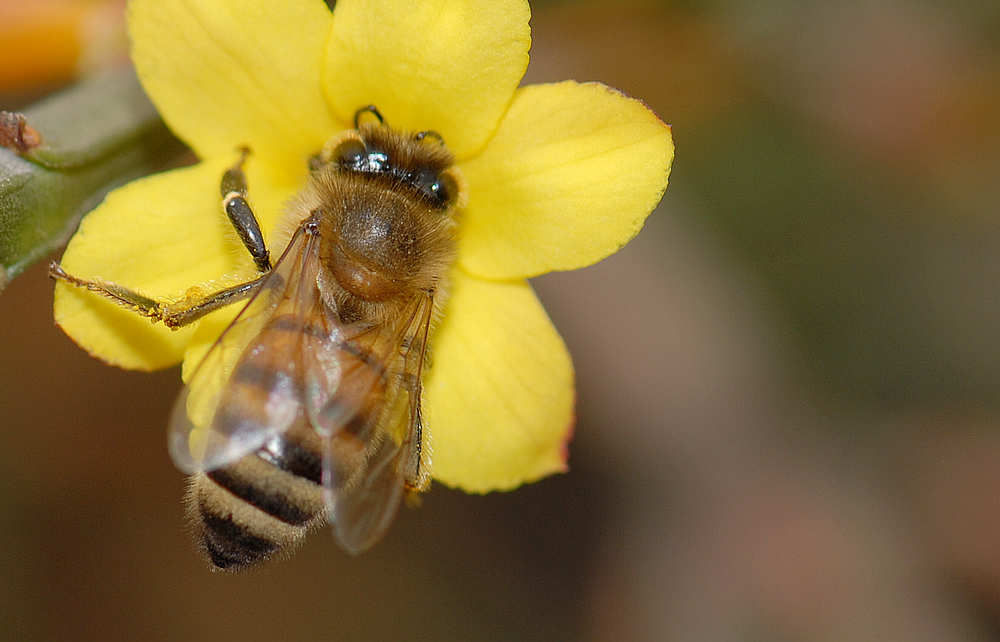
x: 123, y: 296
x: 174, y: 314
x: 234, y: 201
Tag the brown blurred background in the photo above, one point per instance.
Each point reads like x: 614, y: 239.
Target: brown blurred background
x: 789, y: 383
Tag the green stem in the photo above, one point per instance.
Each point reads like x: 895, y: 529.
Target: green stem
x: 95, y: 136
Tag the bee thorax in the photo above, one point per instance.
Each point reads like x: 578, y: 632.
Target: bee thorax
x: 362, y: 281
x: 376, y: 240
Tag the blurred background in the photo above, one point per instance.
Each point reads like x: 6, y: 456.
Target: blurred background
x: 789, y: 383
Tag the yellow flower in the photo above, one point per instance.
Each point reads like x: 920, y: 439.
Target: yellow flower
x: 559, y: 177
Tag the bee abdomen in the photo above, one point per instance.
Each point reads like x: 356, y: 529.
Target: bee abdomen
x: 263, y: 494
x: 252, y: 509
x: 229, y: 545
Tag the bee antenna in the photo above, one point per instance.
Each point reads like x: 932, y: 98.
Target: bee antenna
x: 367, y: 109
x: 433, y: 134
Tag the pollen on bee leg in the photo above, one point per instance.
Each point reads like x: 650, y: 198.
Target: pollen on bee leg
x: 195, y: 292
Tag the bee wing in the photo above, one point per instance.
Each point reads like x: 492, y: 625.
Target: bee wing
x: 244, y: 392
x: 369, y: 459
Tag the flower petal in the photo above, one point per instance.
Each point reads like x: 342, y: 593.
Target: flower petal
x: 570, y: 178
x: 448, y: 66
x: 229, y: 73
x: 499, y: 397
x: 159, y: 235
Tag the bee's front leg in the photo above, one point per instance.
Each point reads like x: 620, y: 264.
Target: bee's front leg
x: 234, y: 201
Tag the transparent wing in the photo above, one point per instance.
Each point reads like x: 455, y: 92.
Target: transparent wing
x: 372, y: 441
x: 249, y: 386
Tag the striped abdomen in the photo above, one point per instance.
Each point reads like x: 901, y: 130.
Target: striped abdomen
x: 265, y: 502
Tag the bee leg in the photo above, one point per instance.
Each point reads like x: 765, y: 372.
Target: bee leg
x: 234, y: 201
x: 121, y: 295
x: 174, y: 314
x: 416, y: 477
x: 197, y: 304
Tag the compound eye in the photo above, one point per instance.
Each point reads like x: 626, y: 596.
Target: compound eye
x: 447, y: 189
x: 439, y: 188
x: 351, y: 154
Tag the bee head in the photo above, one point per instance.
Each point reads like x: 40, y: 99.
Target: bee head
x: 418, y: 162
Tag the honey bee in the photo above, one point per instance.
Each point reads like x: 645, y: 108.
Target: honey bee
x: 312, y: 395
